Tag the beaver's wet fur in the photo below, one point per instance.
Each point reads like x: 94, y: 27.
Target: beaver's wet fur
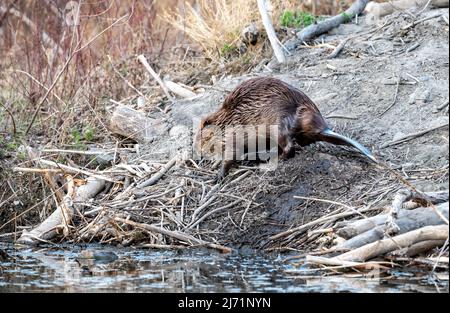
x: 262, y: 102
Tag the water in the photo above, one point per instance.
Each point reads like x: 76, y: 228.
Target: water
x: 111, y: 269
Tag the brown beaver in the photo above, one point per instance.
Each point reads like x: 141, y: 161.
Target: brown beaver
x: 263, y: 102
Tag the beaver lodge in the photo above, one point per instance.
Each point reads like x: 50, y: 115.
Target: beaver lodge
x: 378, y: 77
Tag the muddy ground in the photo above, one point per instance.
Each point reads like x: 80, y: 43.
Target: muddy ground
x: 398, y: 67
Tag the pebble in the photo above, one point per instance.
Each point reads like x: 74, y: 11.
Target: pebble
x: 421, y: 95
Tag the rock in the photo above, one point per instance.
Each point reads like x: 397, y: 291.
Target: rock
x: 179, y: 131
x: 291, y: 44
x: 250, y: 34
x: 98, y: 256
x: 346, y: 29
x: 103, y: 159
x: 421, y: 95
x: 136, y: 125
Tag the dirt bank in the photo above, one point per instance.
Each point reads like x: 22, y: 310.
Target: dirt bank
x: 387, y: 83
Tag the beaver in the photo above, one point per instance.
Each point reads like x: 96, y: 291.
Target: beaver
x: 264, y: 102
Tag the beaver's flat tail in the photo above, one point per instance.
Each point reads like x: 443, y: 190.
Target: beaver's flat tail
x: 332, y: 137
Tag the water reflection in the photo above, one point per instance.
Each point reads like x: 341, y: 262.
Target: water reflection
x: 100, y: 269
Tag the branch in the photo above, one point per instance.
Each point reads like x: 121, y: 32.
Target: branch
x: 384, y: 246
x: 315, y: 30
x: 277, y: 48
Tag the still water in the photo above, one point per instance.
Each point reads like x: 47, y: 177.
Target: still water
x: 111, y: 269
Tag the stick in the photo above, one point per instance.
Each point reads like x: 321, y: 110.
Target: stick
x: 338, y: 49
x: 420, y: 247
x: 179, y: 90
x: 443, y: 105
x: 343, y: 264
x: 230, y: 205
x: 177, y: 235
x: 277, y: 48
x: 76, y: 171
x: 412, y: 136
x: 421, y: 21
x: 147, y: 66
x: 158, y: 175
x: 12, y: 119
x: 306, y: 226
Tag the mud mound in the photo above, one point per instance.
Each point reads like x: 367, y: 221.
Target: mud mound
x: 387, y: 84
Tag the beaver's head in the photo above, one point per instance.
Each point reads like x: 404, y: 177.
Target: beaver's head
x: 209, y: 141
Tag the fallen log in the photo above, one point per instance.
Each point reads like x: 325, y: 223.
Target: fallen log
x: 335, y: 264
x: 351, y: 229
x: 376, y: 10
x: 55, y: 223
x: 382, y: 247
x: 371, y: 235
x: 315, y: 30
x: 372, y: 229
x: 135, y: 125
x: 418, y: 248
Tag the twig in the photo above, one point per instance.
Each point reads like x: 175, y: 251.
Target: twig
x: 37, y: 170
x: 124, y: 78
x: 421, y: 21
x: 395, y: 97
x: 413, y: 47
x: 77, y: 151
x: 179, y: 90
x: 424, y: 8
x: 306, y: 226
x: 230, y: 205
x: 12, y: 119
x: 63, y: 69
x: 338, y: 49
x: 76, y: 171
x: 331, y: 202
x: 443, y: 105
x: 413, y: 136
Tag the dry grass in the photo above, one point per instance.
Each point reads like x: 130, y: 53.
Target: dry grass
x: 209, y: 25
